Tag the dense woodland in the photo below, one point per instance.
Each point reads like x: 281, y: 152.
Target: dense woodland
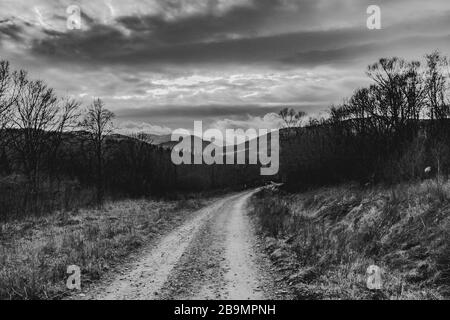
x: 397, y: 129
x: 54, y: 154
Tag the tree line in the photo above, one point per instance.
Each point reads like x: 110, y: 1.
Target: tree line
x: 387, y: 132
x: 35, y: 125
x: 56, y: 155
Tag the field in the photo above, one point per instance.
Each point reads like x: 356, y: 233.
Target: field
x: 35, y: 252
x: 324, y: 240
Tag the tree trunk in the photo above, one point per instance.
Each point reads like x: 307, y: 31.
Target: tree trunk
x: 99, y: 175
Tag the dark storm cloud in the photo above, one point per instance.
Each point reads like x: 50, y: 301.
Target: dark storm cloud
x: 204, y: 26
x: 108, y: 45
x: 351, y: 54
x: 178, y: 60
x: 91, y: 45
x: 153, y: 38
x: 202, y: 39
x: 10, y: 30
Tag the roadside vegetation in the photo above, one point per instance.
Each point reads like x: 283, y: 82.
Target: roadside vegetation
x: 390, y: 139
x: 387, y: 132
x: 384, y: 154
x: 36, y: 251
x: 324, y: 240
x: 72, y: 192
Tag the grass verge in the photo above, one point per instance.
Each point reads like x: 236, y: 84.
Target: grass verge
x: 324, y: 240
x: 35, y: 252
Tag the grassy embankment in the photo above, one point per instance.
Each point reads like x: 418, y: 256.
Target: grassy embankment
x: 324, y: 240
x: 35, y: 252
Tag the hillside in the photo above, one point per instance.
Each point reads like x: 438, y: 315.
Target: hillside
x: 133, y: 168
x: 325, y: 239
x: 156, y: 139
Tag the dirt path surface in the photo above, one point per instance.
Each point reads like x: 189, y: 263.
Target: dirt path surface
x: 215, y: 255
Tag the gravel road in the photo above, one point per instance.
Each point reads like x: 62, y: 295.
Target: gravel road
x: 214, y: 255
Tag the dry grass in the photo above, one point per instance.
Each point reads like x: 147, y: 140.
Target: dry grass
x: 35, y: 253
x: 332, y: 235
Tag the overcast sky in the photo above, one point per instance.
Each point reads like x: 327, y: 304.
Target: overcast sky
x: 161, y: 64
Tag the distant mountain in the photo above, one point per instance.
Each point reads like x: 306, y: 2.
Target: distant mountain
x: 194, y: 140
x: 166, y: 142
x: 156, y: 139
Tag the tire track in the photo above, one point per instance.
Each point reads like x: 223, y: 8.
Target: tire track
x: 148, y: 275
x: 215, y: 255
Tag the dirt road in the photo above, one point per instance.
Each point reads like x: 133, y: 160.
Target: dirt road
x: 215, y: 255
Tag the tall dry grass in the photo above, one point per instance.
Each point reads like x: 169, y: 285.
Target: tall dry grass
x: 35, y: 252
x: 335, y: 233
x: 17, y: 201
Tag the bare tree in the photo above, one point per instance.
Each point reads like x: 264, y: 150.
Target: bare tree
x: 5, y: 102
x: 436, y: 86
x: 291, y: 118
x: 11, y: 84
x: 398, y: 94
x: 39, y: 119
x: 98, y: 123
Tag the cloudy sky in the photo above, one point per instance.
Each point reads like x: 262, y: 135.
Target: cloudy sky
x: 160, y: 64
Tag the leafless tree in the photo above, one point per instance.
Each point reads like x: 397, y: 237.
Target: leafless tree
x: 5, y: 102
x: 98, y: 123
x: 398, y: 93
x: 11, y: 84
x: 291, y: 118
x: 39, y: 118
x: 436, y: 86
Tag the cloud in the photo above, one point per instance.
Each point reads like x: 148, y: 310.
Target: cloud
x: 248, y: 32
x: 130, y: 127
x: 268, y: 121
x: 343, y: 48
x: 203, y: 112
x: 175, y: 61
x: 10, y: 30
